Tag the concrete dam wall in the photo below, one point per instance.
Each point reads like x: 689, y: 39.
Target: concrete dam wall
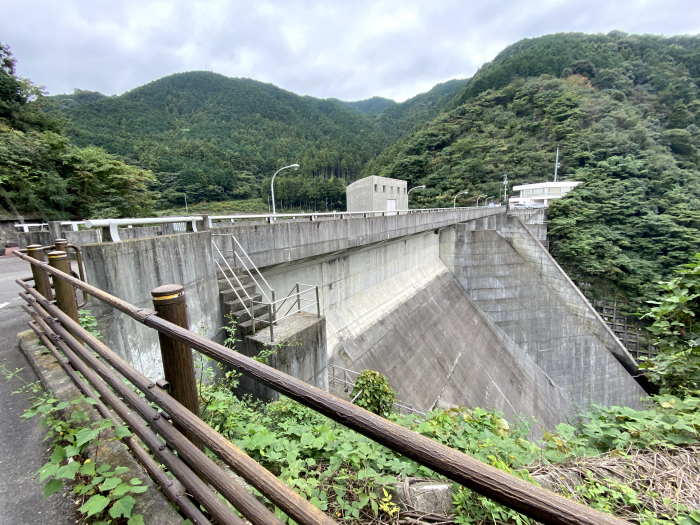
x: 463, y: 307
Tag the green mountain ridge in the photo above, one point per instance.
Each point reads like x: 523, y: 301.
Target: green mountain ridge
x: 216, y: 138
x: 627, y: 118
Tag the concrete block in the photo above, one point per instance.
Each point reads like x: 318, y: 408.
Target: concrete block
x: 425, y: 497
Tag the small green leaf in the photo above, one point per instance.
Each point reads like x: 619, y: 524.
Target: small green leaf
x: 122, y: 507
x: 135, y: 481
x: 121, y: 470
x: 137, y: 519
x: 122, y: 432
x: 68, y: 471
x: 109, y: 484
x: 94, y: 505
x: 48, y: 470
x: 85, y: 435
x: 52, y: 487
x: 103, y: 468
x: 90, y: 401
x: 138, y: 490
x: 121, y: 489
x: 58, y: 455
x: 88, y: 469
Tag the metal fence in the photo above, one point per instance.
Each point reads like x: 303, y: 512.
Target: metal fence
x: 106, y: 371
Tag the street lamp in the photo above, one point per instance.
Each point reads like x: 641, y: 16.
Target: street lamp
x: 487, y: 200
x: 409, y: 192
x: 477, y: 200
x: 272, y: 185
x: 454, y: 202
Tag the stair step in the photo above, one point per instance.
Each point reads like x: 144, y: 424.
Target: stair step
x: 235, y: 305
x: 242, y: 315
x: 243, y: 279
x: 260, y: 322
x: 226, y: 271
x: 230, y: 295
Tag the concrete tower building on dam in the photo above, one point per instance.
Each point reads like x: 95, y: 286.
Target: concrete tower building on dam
x: 461, y: 306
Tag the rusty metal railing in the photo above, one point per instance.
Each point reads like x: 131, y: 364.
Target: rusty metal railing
x: 517, y: 494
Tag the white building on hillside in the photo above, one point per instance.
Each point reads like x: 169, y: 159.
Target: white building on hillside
x: 539, y: 194
x: 376, y: 193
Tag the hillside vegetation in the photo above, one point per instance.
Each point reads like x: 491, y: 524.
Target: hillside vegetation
x: 43, y: 173
x: 625, y: 112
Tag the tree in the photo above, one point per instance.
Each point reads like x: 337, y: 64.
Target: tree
x: 676, y: 325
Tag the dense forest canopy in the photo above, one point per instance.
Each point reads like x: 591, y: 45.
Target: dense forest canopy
x: 215, y: 138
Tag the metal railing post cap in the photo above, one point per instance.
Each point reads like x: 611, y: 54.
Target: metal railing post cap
x: 57, y: 254
x: 167, y: 293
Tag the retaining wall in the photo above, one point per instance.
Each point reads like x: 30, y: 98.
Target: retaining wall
x: 394, y: 307
x: 535, y: 314
x: 131, y: 269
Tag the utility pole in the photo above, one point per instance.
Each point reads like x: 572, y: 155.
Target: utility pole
x: 556, y: 164
x: 505, y: 188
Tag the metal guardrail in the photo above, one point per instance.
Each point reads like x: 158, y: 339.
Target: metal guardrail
x: 526, y: 498
x: 347, y: 380
x: 113, y: 224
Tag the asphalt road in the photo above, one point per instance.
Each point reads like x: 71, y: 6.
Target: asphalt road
x: 22, y: 451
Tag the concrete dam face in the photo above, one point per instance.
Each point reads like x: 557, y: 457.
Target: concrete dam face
x: 462, y: 308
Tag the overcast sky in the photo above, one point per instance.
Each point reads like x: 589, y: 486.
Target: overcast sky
x: 350, y: 50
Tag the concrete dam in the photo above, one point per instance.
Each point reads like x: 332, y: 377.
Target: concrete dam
x: 461, y: 306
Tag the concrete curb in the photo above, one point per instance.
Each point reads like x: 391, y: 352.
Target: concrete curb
x: 152, y: 504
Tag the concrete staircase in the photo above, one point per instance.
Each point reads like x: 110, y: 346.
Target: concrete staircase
x: 238, y: 302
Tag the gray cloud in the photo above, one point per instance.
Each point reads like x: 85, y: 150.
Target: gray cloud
x: 346, y: 49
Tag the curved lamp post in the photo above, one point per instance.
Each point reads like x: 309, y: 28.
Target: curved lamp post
x: 454, y: 202
x: 272, y: 184
x: 487, y: 200
x: 414, y: 188
x: 477, y: 200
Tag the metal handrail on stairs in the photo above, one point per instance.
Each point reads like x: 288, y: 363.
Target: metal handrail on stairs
x: 272, y: 305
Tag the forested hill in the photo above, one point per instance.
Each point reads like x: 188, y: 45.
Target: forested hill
x: 216, y: 136
x: 370, y: 106
x: 625, y: 111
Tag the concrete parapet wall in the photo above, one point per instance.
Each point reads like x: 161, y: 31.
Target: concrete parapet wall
x: 284, y: 242
x: 46, y: 239
x: 81, y: 237
x: 131, y: 269
x: 536, y: 315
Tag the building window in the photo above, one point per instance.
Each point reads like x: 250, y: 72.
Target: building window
x: 391, y: 189
x: 375, y: 187
x: 383, y: 189
x: 404, y: 191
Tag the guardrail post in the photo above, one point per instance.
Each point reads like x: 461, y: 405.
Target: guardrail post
x: 274, y: 305
x: 269, y: 316
x: 298, y: 299
x: 169, y: 303
x: 318, y: 304
x: 61, y: 245
x: 41, y: 278
x: 65, y: 292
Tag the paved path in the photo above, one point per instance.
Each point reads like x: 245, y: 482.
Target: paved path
x: 21, y: 447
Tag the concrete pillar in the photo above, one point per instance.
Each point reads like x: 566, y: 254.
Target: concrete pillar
x: 55, y: 230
